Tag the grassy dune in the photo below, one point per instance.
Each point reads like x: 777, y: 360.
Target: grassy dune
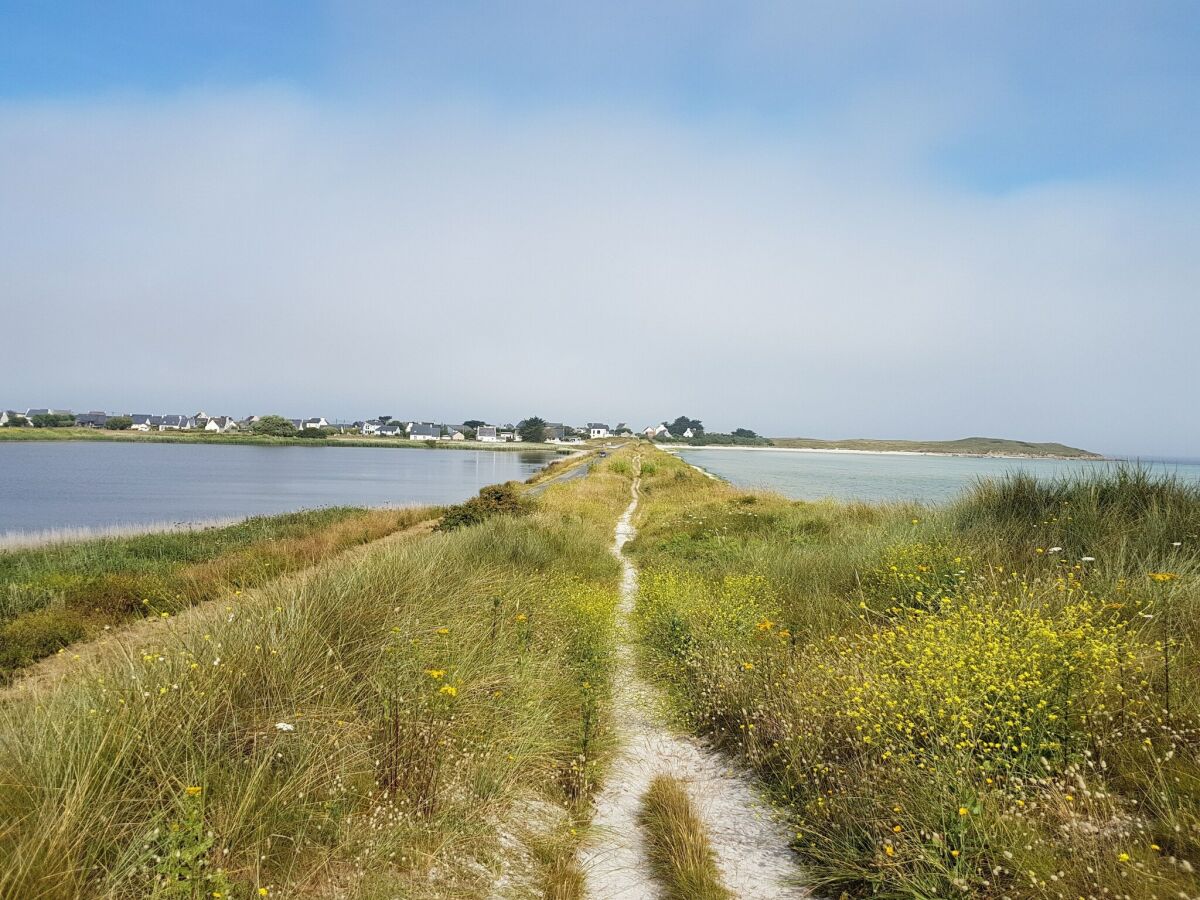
x: 55, y: 595
x: 997, y: 698
x: 423, y: 720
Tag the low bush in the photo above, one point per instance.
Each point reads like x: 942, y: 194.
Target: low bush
x: 493, y: 500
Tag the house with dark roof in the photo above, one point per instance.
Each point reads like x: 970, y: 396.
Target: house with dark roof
x: 11, y: 415
x: 424, y: 431
x: 221, y: 424
x: 487, y: 434
x: 391, y: 429
x: 597, y: 430
x: 145, y: 422
x: 93, y: 419
x: 175, y: 423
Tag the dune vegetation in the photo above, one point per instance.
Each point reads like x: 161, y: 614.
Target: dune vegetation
x: 54, y: 595
x: 680, y: 853
x: 991, y: 699
x: 994, y: 698
x: 420, y: 718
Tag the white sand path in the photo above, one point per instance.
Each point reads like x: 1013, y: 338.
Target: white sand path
x: 749, y: 842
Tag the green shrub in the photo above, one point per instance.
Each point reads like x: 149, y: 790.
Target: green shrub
x: 493, y: 500
x: 37, y: 634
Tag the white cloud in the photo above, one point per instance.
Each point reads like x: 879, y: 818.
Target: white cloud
x: 259, y: 250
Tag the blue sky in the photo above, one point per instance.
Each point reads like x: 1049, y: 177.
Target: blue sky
x: 861, y: 196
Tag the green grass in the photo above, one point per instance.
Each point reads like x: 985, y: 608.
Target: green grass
x: 55, y: 595
x: 680, y: 853
x: 972, y: 446
x: 417, y: 721
x: 947, y: 707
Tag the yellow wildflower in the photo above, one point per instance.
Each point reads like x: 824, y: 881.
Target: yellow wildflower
x: 443, y: 631
x: 747, y: 666
x: 962, y: 810
x: 435, y: 674
x: 193, y: 791
x: 1162, y: 576
x: 449, y: 690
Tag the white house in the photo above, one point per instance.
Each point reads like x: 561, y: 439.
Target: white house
x: 391, y: 429
x: 221, y: 424
x: 508, y: 435
x: 453, y: 434
x: 174, y: 423
x: 688, y: 433
x: 318, y: 422
x: 597, y: 429
x: 144, y: 422
x: 371, y: 426
x: 487, y: 434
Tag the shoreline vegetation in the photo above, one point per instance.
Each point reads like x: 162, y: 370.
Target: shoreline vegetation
x: 335, y: 440
x: 992, y: 697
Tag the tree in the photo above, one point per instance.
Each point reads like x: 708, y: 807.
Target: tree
x: 52, y: 420
x: 474, y: 423
x: 16, y: 421
x: 275, y: 426
x: 532, y: 430
x: 744, y: 433
x: 682, y: 424
x: 385, y: 419
x: 119, y: 423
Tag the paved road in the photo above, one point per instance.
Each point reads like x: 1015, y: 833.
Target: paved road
x: 569, y: 475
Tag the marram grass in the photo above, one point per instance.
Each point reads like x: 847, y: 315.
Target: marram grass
x: 679, y: 851
x: 417, y: 721
x: 997, y: 699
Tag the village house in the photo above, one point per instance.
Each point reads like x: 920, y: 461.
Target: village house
x: 318, y: 422
x: 371, y: 426
x: 453, y: 434
x: 487, y: 434
x: 597, y: 430
x: 93, y: 419
x: 219, y: 424
x: 175, y: 423
x: 145, y: 422
x: 555, y: 432
x: 424, y: 431
x: 391, y: 429
x: 507, y: 435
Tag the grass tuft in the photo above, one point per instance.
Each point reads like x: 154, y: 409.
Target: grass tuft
x: 680, y: 854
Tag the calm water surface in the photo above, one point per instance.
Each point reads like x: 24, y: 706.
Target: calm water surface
x: 875, y: 477
x: 86, y: 484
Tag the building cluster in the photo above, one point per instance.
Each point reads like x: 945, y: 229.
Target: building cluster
x: 554, y: 432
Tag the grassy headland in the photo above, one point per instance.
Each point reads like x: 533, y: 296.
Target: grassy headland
x: 423, y: 719
x: 971, y: 446
x: 996, y: 698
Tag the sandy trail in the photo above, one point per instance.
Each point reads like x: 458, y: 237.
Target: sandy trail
x: 751, y: 846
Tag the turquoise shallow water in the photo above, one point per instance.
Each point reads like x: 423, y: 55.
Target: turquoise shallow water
x: 880, y: 476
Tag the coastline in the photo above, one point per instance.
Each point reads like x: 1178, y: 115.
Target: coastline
x: 82, y: 435
x: 842, y: 450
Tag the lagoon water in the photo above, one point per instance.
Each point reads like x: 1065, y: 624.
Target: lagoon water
x: 91, y: 484
x: 815, y: 475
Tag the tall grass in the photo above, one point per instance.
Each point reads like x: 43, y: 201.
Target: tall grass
x: 422, y: 721
x: 54, y: 595
x: 992, y: 699
x: 680, y: 853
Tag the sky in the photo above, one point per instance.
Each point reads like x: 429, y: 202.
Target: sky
x: 893, y: 220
